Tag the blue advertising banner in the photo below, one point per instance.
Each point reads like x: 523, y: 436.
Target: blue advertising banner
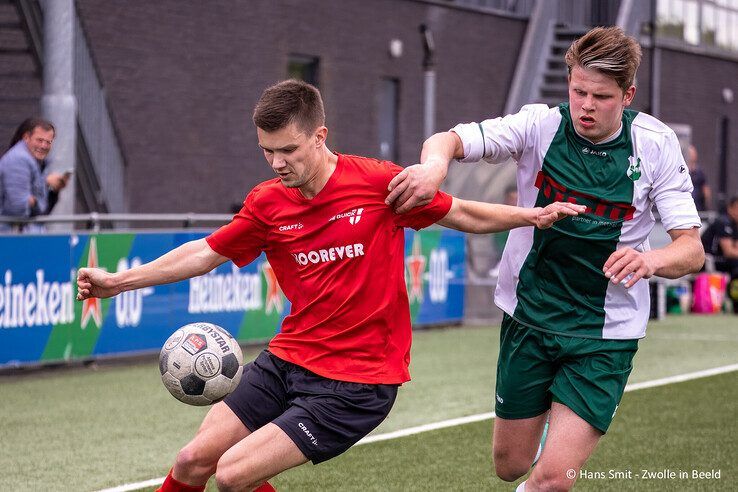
x: 40, y: 320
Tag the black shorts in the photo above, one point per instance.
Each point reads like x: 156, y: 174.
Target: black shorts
x: 324, y: 417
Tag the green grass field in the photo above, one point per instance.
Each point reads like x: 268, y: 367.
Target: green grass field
x: 88, y: 429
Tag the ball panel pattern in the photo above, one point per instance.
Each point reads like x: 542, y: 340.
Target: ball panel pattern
x: 230, y: 366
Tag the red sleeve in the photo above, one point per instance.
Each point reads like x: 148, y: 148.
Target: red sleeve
x: 421, y: 217
x: 243, y: 239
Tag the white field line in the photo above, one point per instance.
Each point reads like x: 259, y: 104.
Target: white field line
x: 693, y: 337
x: 427, y: 427
x: 679, y: 378
x: 136, y: 486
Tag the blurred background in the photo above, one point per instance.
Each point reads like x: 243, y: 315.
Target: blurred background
x: 152, y: 100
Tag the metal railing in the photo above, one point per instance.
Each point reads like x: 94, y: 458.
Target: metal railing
x: 100, y: 160
x: 97, y: 222
x: 532, y: 59
x: 632, y: 15
x: 96, y: 125
x: 32, y: 18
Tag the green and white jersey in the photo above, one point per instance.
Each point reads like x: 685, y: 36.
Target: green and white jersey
x: 552, y: 279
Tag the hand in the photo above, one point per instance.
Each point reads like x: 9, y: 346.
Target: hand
x: 95, y: 282
x: 31, y: 201
x: 628, y: 263
x: 545, y: 217
x: 415, y: 186
x: 57, y: 181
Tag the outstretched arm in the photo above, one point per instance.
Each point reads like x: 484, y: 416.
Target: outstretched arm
x: 189, y: 260
x: 417, y: 185
x: 682, y: 256
x: 480, y: 218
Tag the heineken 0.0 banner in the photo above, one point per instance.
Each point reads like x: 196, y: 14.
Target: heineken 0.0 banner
x: 40, y: 320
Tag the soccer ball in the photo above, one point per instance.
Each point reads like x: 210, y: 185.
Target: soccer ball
x: 200, y: 364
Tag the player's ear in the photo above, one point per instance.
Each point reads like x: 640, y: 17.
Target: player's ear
x: 628, y: 95
x: 320, y: 135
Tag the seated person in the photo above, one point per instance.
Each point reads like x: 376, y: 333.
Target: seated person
x: 721, y: 240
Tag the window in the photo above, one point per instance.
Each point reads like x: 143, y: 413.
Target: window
x: 303, y: 67
x: 699, y: 22
x: 389, y: 96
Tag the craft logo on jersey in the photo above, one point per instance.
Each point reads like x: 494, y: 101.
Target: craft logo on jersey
x: 194, y: 343
x: 354, y: 216
x: 634, y: 168
x: 291, y: 227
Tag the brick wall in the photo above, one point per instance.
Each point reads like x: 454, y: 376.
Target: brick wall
x: 182, y: 79
x: 691, y: 93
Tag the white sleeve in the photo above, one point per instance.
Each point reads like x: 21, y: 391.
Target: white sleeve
x: 499, y: 139
x: 672, y: 188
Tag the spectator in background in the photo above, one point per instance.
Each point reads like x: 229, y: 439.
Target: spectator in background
x: 724, y: 246
x: 55, y: 182
x: 701, y: 194
x: 23, y: 191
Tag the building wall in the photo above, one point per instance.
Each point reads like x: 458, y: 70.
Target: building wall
x: 691, y: 93
x: 182, y: 78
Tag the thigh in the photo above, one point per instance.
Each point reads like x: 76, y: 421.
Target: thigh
x: 220, y: 430
x: 569, y: 443
x: 261, y: 395
x: 592, y: 378
x: 259, y: 457
x: 517, y: 440
x: 525, y: 372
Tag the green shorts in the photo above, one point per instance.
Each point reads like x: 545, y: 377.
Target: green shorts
x: 535, y: 367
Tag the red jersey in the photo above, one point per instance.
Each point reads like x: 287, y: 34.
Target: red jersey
x: 339, y: 258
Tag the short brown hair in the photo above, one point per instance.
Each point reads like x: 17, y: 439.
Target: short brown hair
x: 608, y: 50
x: 290, y: 101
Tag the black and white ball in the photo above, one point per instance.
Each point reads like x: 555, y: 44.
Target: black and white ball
x: 200, y: 364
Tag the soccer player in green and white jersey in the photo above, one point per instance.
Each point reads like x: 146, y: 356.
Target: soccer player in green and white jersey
x: 575, y: 297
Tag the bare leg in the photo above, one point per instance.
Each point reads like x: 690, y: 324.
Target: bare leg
x: 515, y: 443
x: 220, y: 430
x: 257, y: 458
x: 571, y: 440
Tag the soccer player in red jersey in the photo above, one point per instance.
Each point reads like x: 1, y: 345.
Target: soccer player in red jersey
x: 331, y: 374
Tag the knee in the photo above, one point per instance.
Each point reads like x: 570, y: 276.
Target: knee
x: 194, y: 460
x: 226, y: 481
x: 550, y: 482
x: 509, y: 474
x: 507, y: 467
x: 229, y: 479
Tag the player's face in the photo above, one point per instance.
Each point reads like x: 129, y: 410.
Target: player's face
x: 293, y: 154
x: 596, y: 103
x: 39, y: 142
